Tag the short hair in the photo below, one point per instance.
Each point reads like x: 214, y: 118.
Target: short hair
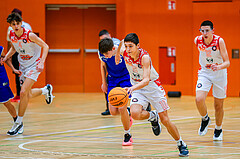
x: 105, y: 45
x: 14, y: 17
x: 103, y: 32
x: 207, y: 23
x: 15, y: 10
x: 132, y: 37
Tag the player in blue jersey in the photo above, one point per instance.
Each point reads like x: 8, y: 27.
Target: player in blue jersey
x: 117, y: 76
x: 105, y: 34
x: 5, y: 91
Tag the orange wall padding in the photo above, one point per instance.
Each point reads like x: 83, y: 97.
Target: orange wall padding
x: 157, y: 27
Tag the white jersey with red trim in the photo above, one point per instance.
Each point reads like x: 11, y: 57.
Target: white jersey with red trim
x: 209, y: 54
x: 29, y: 52
x: 135, y: 68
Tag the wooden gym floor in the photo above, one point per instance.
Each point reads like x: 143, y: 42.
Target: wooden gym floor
x: 72, y: 127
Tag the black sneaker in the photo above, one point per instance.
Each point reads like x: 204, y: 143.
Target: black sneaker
x: 183, y: 150
x: 127, y: 140
x: 16, y: 129
x: 49, y: 96
x: 128, y: 108
x: 107, y: 112
x: 156, y: 127
x: 149, y: 107
x: 218, y: 135
x: 204, y: 127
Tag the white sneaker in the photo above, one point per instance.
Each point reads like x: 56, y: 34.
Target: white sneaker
x: 218, y: 135
x: 156, y: 127
x: 204, y: 127
x: 49, y: 96
x: 16, y: 129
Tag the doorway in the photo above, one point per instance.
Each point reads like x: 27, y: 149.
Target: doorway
x: 72, y: 35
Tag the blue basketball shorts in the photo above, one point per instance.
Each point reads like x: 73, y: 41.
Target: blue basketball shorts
x: 123, y: 81
x: 5, y: 94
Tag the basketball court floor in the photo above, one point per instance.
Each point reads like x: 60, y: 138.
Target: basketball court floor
x: 72, y: 127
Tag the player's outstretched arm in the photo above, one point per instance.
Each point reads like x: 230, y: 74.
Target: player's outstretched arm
x: 9, y: 54
x: 119, y: 52
x: 103, y: 68
x: 33, y: 37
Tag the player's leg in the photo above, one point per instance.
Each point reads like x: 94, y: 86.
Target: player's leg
x: 15, y: 64
x: 46, y: 91
x: 106, y: 112
x: 24, y: 98
x: 219, y: 113
x: 173, y: 131
x: 219, y: 93
x: 11, y: 109
x: 202, y: 88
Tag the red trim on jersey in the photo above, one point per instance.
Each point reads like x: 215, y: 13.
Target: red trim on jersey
x: 218, y: 42
x: 210, y: 42
x: 158, y: 82
x: 29, y: 31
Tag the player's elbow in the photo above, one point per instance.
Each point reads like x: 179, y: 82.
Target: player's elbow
x: 146, y: 81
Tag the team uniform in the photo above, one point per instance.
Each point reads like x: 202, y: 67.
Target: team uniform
x: 118, y: 75
x: 5, y: 91
x: 153, y: 93
x: 210, y: 54
x: 29, y: 55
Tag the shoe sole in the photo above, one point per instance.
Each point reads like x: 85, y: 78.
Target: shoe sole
x: 129, y: 143
x: 220, y: 138
x: 205, y: 131
x: 50, y: 94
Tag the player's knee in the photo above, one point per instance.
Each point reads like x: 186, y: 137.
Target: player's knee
x: 199, y: 99
x: 23, y: 93
x: 135, y: 115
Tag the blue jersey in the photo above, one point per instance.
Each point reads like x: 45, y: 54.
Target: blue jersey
x: 113, y: 69
x: 3, y: 77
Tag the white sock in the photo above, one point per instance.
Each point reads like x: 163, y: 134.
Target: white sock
x: 204, y: 118
x: 150, y: 115
x: 19, y: 119
x: 180, y: 142
x: 218, y: 127
x: 44, y: 90
x: 127, y: 131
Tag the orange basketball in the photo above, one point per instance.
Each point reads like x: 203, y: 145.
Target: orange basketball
x: 118, y: 97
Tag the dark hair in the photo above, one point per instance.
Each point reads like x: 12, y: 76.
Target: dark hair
x: 132, y: 37
x: 15, y: 10
x: 207, y: 23
x: 14, y: 17
x: 103, y: 32
x: 105, y: 45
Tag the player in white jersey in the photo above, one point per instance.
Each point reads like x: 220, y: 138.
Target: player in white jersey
x: 147, y: 89
x: 28, y: 45
x: 14, y: 58
x: 214, y: 60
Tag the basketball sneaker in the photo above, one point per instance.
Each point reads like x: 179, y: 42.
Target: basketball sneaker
x: 49, y: 96
x: 204, y: 127
x: 127, y: 140
x: 218, y: 135
x: 183, y: 150
x: 15, y: 99
x: 16, y: 129
x: 156, y: 127
x: 107, y: 112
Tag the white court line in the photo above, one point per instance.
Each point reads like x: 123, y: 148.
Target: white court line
x: 96, y: 128
x: 25, y: 157
x: 98, y: 154
x: 101, y: 127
